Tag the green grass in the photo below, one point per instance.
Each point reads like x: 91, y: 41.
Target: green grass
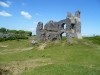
x: 94, y: 39
x: 63, y: 38
x: 57, y: 58
x: 63, y: 69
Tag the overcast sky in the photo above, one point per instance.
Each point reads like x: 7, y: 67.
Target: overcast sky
x: 25, y: 14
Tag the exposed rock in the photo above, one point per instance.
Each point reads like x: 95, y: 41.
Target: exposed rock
x: 34, y: 42
x: 6, y: 35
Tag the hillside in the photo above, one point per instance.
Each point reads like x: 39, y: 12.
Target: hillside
x: 82, y: 57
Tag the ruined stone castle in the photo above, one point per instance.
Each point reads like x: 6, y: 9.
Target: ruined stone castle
x: 54, y: 30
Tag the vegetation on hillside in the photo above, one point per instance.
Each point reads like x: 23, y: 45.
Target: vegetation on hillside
x: 6, y: 34
x: 55, y: 58
x: 94, y: 39
x: 6, y: 31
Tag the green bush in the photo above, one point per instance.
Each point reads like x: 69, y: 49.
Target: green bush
x: 1, y: 39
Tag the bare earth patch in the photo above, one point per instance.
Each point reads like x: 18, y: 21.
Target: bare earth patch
x: 20, y: 66
x: 41, y: 47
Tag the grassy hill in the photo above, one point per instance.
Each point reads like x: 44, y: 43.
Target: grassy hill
x: 50, y: 58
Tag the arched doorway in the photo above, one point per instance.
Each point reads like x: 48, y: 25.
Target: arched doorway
x: 63, y: 31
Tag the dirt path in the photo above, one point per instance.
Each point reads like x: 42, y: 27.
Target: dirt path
x: 15, y: 50
x: 41, y: 47
x: 3, y: 45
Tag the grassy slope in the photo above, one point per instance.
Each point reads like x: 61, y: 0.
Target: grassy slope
x: 57, y: 58
x: 94, y: 39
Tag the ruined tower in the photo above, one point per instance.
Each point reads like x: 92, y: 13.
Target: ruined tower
x: 53, y: 30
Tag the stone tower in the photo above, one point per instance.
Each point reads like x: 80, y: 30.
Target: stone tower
x: 73, y: 25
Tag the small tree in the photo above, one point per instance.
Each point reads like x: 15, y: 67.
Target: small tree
x: 3, y: 30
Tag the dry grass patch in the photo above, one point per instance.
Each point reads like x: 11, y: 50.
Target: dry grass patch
x: 86, y: 43
x: 20, y: 66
